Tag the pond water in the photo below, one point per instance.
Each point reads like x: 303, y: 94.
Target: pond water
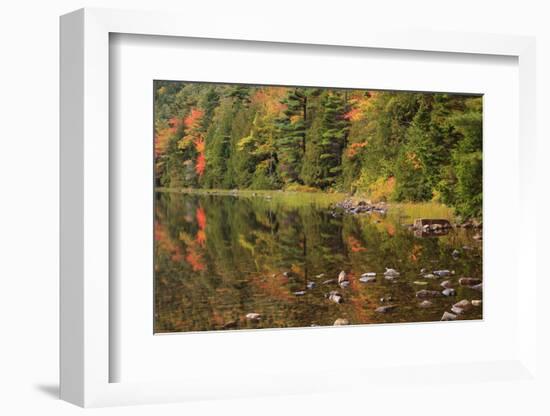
x: 220, y: 256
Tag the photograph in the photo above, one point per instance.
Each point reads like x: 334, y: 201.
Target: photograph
x: 301, y: 206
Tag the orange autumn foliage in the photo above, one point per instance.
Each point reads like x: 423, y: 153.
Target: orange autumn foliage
x: 163, y: 136
x: 194, y: 119
x: 201, y: 221
x: 415, y: 252
x: 355, y: 245
x: 194, y: 259
x: 201, y: 218
x: 195, y: 136
x: 354, y: 148
x: 270, y: 99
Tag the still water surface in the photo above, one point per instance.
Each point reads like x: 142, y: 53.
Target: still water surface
x: 220, y: 256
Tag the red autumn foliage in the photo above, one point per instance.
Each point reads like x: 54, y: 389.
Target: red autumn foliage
x: 200, y: 164
x: 201, y: 218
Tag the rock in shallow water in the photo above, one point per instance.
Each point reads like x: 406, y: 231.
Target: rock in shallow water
x: 464, y: 304
x: 230, y: 325
x: 335, y: 297
x: 310, y: 285
x: 367, y: 279
x: 447, y: 316
x: 426, y: 294
x: 344, y: 284
x: 369, y: 274
x: 443, y: 273
x: 425, y: 304
x: 391, y: 273
x: 449, y: 292
x: 341, y: 321
x: 385, y: 308
x: 300, y: 293
x: 253, y: 316
x: 329, y: 281
x: 420, y: 283
x: 476, y: 302
x: 447, y: 284
x: 456, y: 310
x: 479, y: 287
x: 468, y: 281
x: 342, y: 277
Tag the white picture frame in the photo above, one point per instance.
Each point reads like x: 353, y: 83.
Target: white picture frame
x: 85, y: 211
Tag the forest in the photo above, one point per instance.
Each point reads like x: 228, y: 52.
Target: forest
x: 382, y: 145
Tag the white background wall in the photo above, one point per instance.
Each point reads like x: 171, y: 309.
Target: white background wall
x: 29, y: 56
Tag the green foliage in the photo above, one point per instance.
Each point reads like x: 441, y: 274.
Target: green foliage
x: 291, y: 138
x: 334, y: 134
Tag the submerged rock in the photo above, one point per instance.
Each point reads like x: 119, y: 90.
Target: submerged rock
x: 341, y: 321
x: 367, y: 279
x: 329, y: 281
x: 420, y: 283
x: 449, y: 292
x: 300, y: 293
x: 429, y: 276
x: 455, y: 253
x: 425, y: 304
x: 447, y: 316
x: 385, y: 308
x: 310, y: 285
x: 320, y: 275
x: 423, y: 270
x: 369, y: 274
x: 253, y: 316
x: 427, y: 294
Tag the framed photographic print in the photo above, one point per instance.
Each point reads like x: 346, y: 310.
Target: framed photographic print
x: 241, y: 216
x: 272, y: 206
